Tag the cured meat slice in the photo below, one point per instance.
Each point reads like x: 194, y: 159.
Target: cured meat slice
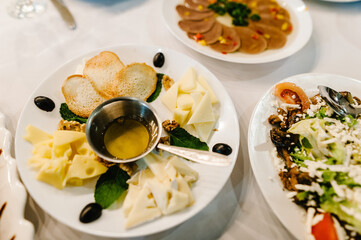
x: 197, y: 6
x: 230, y: 41
x: 211, y: 36
x: 203, y: 2
x: 191, y: 14
x: 251, y: 41
x: 275, y: 38
x: 282, y: 24
x: 202, y: 26
x: 273, y: 10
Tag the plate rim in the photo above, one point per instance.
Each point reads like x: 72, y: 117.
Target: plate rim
x: 252, y: 152
x: 244, y: 60
x: 18, y: 135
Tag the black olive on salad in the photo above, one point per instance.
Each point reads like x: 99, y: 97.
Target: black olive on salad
x: 222, y: 148
x: 44, y: 103
x: 158, y: 60
x: 90, y: 213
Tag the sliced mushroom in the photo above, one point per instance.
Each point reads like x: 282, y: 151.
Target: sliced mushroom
x: 252, y: 42
x: 197, y: 6
x: 229, y: 42
x: 191, y: 14
x: 212, y: 35
x: 275, y: 38
x: 202, y: 26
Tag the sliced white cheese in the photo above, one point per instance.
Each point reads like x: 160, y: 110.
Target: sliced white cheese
x: 202, y: 80
x: 191, y: 130
x: 183, y: 169
x: 199, y: 88
x: 169, y: 99
x: 132, y: 194
x: 178, y: 201
x: 184, y: 101
x: 160, y: 192
x: 184, y: 188
x: 204, y: 130
x: 180, y: 116
x: 157, y: 165
x: 203, y: 111
x: 144, y: 209
x: 188, y: 81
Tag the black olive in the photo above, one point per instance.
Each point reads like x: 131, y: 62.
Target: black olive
x: 90, y: 212
x: 44, y: 103
x: 222, y: 148
x: 158, y: 60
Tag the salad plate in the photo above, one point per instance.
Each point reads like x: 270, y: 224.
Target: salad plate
x: 260, y: 145
x: 12, y: 193
x: 65, y: 205
x: 301, y: 33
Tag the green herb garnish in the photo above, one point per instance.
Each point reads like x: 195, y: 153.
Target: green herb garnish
x: 110, y: 186
x: 238, y: 11
x: 68, y: 115
x: 158, y: 88
x: 181, y: 138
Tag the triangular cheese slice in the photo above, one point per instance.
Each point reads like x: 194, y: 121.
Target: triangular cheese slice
x: 203, y: 111
x: 62, y: 137
x: 204, y: 130
x: 205, y: 84
x: 144, y: 209
x: 34, y: 135
x: 160, y: 192
x: 178, y: 201
x: 188, y: 81
x: 156, y: 164
x: 169, y: 99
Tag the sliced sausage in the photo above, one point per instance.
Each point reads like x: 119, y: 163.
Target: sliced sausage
x: 212, y: 35
x: 273, y: 10
x: 275, y: 38
x: 191, y: 14
x: 251, y: 41
x: 202, y: 26
x: 282, y: 24
x: 197, y: 6
x: 230, y: 41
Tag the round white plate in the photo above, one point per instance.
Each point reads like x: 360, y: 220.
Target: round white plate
x: 65, y: 205
x: 302, y: 30
x: 260, y: 147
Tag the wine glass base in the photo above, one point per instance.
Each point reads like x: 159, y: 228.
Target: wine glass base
x: 26, y: 8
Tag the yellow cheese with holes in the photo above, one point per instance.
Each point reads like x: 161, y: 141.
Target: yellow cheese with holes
x: 53, y: 172
x: 62, y: 137
x: 64, y: 158
x: 34, y: 135
x: 84, y: 167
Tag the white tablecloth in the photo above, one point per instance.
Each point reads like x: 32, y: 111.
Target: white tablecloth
x: 31, y: 49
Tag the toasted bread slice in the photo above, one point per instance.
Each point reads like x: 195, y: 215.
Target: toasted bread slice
x: 136, y: 80
x: 80, y: 95
x: 101, y: 70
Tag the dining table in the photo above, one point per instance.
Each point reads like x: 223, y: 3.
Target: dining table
x: 32, y: 49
